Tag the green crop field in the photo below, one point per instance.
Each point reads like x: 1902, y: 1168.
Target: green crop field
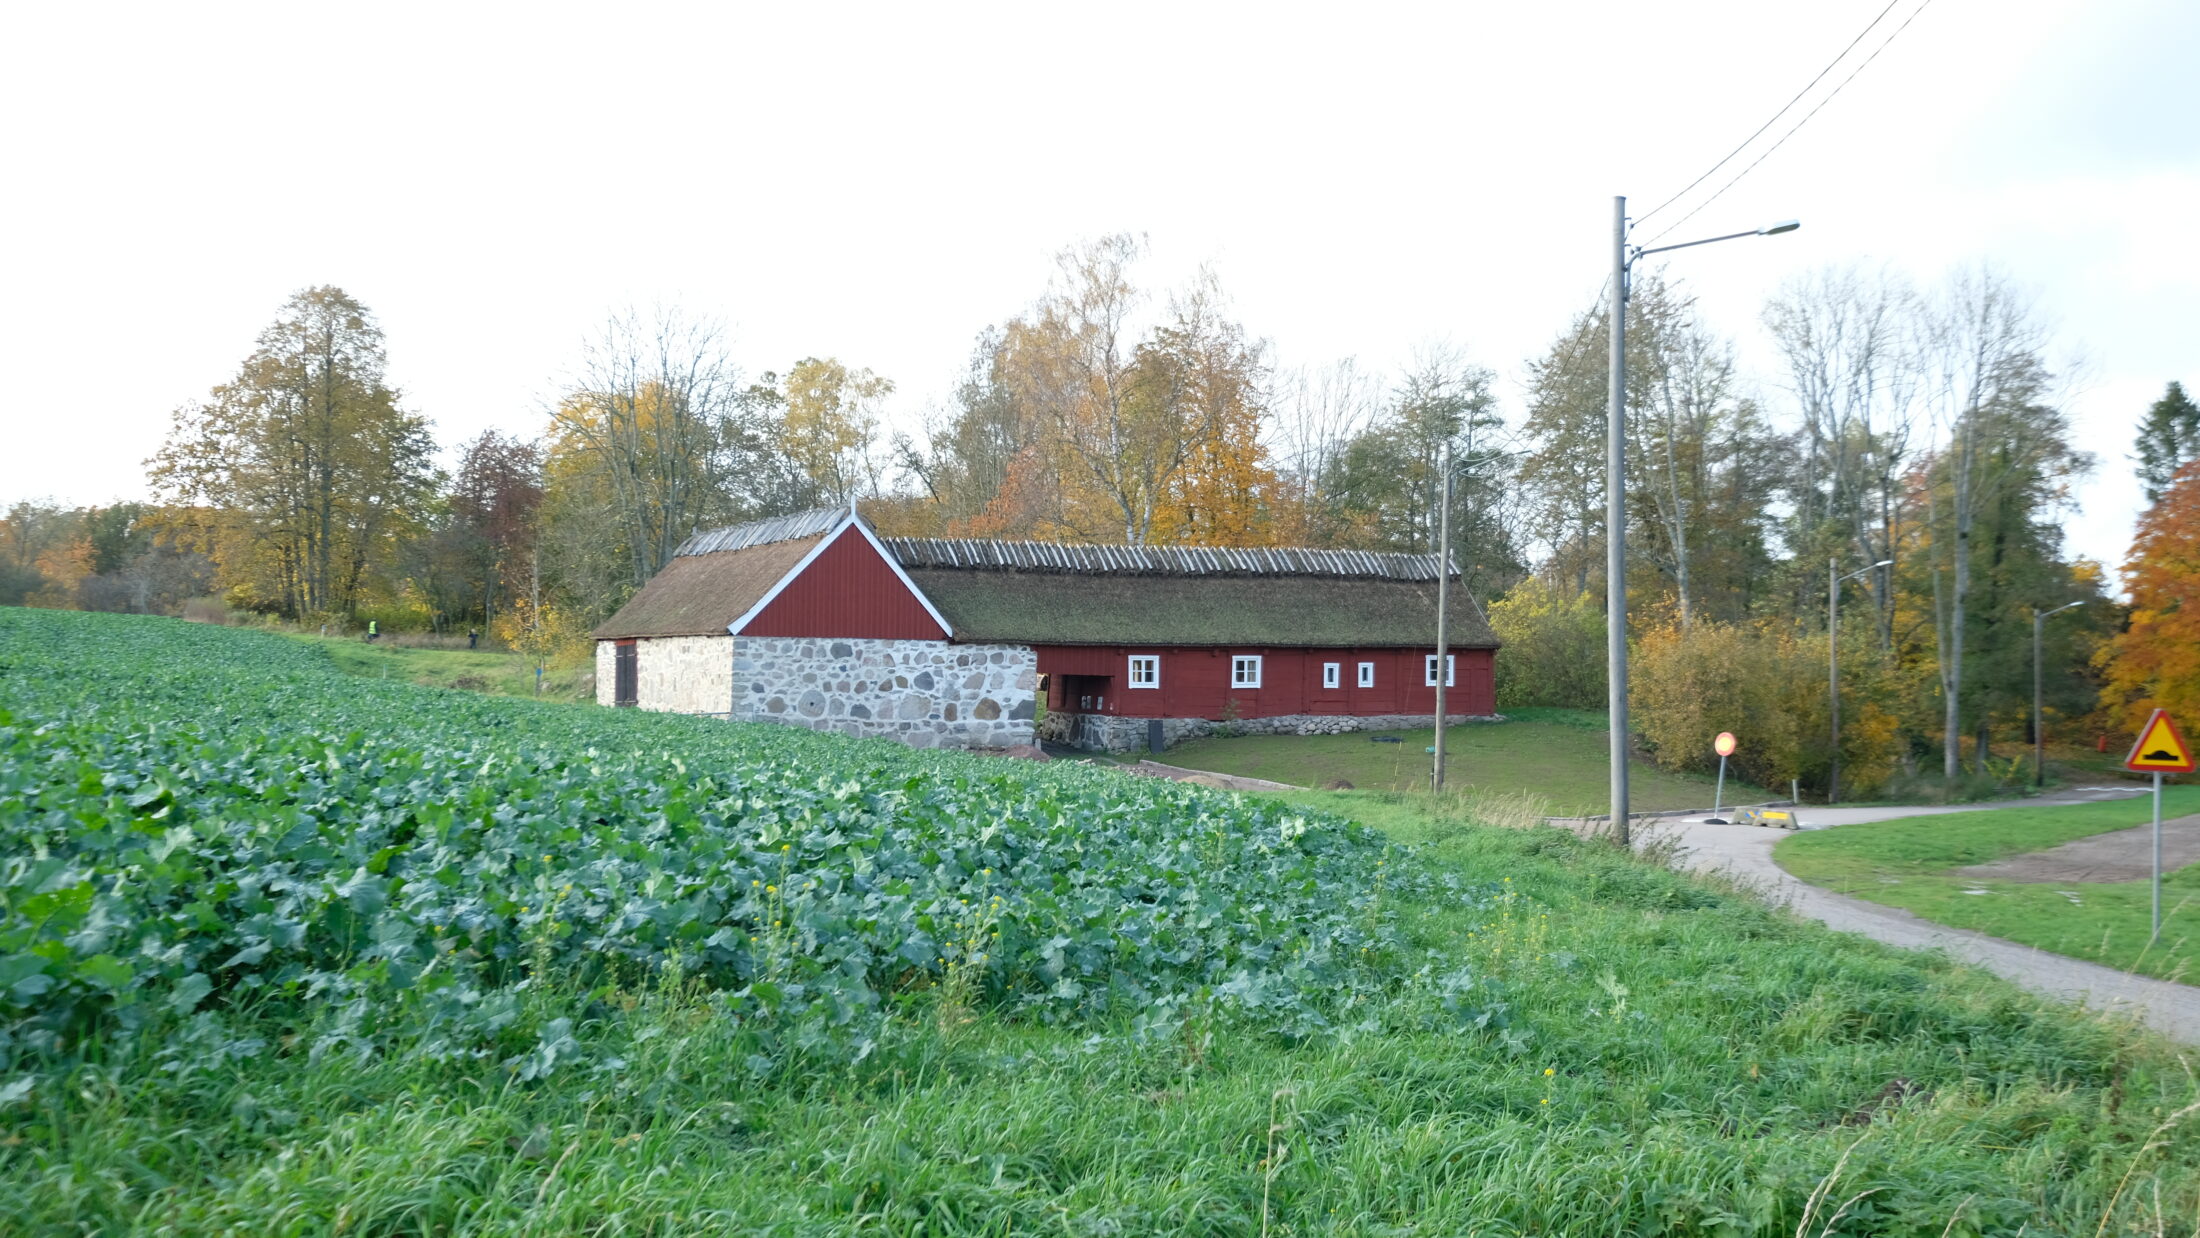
x: 286, y: 951
x: 1907, y: 864
x: 1557, y: 755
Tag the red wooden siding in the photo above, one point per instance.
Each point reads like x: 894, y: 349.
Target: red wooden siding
x: 1195, y: 682
x: 848, y: 590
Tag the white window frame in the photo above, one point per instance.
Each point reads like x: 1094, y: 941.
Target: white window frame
x: 1332, y: 675
x: 1150, y: 663
x: 1367, y: 674
x: 1451, y: 670
x: 1241, y: 663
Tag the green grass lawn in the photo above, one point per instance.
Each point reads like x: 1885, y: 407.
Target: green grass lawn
x: 494, y: 671
x: 1908, y: 863
x: 1558, y: 754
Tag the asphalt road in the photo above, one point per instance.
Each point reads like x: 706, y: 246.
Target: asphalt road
x: 1746, y: 852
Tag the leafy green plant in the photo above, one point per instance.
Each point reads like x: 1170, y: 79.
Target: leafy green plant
x: 207, y: 823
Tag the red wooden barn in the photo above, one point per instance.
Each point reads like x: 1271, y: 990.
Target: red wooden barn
x: 816, y: 620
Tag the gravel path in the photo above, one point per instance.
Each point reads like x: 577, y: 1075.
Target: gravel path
x: 1746, y: 852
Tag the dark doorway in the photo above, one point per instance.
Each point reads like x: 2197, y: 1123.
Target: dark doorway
x: 625, y: 688
x: 1087, y: 694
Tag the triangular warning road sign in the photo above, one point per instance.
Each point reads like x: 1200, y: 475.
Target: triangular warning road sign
x: 2161, y: 748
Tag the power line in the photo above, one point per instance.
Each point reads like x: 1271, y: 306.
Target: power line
x: 1775, y: 116
x: 1792, y: 129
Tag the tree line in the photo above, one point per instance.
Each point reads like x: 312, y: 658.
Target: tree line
x: 1919, y: 428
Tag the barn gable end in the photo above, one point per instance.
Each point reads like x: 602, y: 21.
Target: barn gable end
x: 847, y: 586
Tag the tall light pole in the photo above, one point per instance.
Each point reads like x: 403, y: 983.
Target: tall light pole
x: 1615, y: 492
x: 1833, y: 662
x: 1443, y: 597
x: 2039, y: 735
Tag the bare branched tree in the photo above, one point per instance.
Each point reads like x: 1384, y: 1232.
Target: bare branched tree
x: 1849, y: 340
x: 653, y: 413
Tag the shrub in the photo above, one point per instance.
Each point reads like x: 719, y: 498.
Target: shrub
x: 1767, y: 684
x: 1554, y: 648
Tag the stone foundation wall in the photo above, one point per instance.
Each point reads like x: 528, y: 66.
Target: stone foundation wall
x: 1106, y: 733
x: 928, y: 694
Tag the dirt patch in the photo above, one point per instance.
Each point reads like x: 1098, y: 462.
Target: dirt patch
x: 2122, y: 855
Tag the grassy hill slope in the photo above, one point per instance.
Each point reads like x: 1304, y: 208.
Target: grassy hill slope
x: 283, y: 951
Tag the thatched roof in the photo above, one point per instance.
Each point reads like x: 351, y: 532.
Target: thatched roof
x: 1068, y: 608
x: 699, y: 594
x: 1046, y: 594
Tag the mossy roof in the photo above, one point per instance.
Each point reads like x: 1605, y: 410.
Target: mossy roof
x: 1063, y: 608
x: 699, y: 594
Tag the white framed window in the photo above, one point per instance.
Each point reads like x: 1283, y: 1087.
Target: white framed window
x: 1367, y: 674
x: 1245, y: 671
x: 1332, y: 674
x: 1428, y: 670
x: 1145, y: 670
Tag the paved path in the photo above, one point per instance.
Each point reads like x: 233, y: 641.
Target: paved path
x: 1746, y: 852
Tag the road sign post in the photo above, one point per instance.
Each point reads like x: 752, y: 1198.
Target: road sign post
x: 1724, y: 746
x: 2161, y: 750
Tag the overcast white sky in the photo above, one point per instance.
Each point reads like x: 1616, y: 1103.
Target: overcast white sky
x: 880, y: 183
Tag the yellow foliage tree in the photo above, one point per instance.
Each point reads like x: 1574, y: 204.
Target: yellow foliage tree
x: 831, y: 423
x: 544, y: 633
x: 1766, y: 683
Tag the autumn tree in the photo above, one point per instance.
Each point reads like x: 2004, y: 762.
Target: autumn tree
x: 313, y: 474
x: 1201, y: 371
x: 829, y: 427
x: 2155, y: 661
x: 482, y: 550
x: 1137, y: 438
x: 35, y: 538
x: 2169, y: 439
x: 1703, y: 463
x: 644, y: 448
x: 963, y: 464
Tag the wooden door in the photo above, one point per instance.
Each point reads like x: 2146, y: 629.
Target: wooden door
x: 625, y: 680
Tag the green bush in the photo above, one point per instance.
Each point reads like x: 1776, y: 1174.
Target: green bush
x: 1553, y: 648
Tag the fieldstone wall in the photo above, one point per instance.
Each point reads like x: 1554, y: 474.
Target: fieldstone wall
x: 1105, y: 733
x: 928, y: 694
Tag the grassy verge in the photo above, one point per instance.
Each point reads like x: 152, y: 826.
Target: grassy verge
x: 1557, y: 755
x: 1908, y: 864
x: 495, y: 672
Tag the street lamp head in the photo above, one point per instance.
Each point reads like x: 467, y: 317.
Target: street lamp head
x: 1884, y: 563
x: 1785, y: 225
